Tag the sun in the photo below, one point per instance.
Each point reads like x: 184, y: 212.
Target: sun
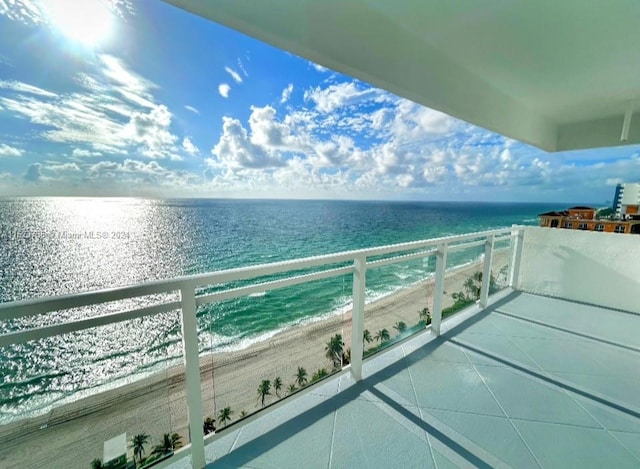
x: 88, y: 22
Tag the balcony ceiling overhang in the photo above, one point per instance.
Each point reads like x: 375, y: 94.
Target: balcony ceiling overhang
x: 559, y: 75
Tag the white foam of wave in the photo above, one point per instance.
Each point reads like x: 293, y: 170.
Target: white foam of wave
x: 259, y: 294
x: 237, y: 343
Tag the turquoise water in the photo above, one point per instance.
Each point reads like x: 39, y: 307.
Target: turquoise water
x: 53, y: 246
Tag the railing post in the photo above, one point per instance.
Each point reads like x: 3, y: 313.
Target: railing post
x: 486, y: 271
x: 357, y: 316
x: 192, y: 375
x: 517, y: 239
x: 438, y: 291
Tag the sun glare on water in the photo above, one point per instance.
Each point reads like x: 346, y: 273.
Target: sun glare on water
x: 88, y: 22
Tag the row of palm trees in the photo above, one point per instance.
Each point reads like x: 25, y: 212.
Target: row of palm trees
x: 170, y: 442
x: 334, y: 351
x: 300, y: 380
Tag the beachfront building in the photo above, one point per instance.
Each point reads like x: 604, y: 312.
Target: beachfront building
x: 585, y: 218
x: 626, y: 200
x: 542, y: 373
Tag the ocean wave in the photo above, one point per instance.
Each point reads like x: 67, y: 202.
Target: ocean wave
x: 257, y: 294
x: 32, y: 379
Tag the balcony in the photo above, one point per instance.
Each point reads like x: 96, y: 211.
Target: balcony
x: 542, y: 373
x: 530, y: 381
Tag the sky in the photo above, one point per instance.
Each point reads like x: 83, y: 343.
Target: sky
x: 126, y: 98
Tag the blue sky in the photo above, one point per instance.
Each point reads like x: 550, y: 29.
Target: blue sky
x: 123, y: 98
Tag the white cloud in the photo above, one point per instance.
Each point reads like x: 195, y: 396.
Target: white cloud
x: 24, y: 11
x: 235, y: 149
x: 83, y: 153
x: 151, y: 171
x: 413, y: 122
x: 34, y: 12
x: 63, y: 168
x: 397, y: 146
x: 344, y: 94
x: 192, y: 109
x: 235, y: 75
x: 113, y: 111
x: 6, y: 150
x: 152, y: 131
x: 224, y: 89
x: 25, y: 88
x: 319, y: 67
x: 131, y: 86
x: 241, y: 67
x: 269, y: 133
x: 189, y: 147
x: 286, y: 93
x: 34, y: 172
x: 73, y: 118
x: 102, y: 168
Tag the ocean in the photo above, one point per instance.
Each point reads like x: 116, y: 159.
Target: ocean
x: 54, y: 246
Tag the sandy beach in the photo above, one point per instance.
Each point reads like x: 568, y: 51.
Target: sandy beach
x: 72, y: 435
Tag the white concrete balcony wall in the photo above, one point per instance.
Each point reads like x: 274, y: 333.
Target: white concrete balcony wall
x: 585, y: 266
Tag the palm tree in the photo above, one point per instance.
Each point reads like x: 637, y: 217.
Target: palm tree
x: 209, y: 425
x: 383, y: 336
x: 137, y: 443
x: 425, y: 315
x: 176, y: 440
x: 170, y: 442
x: 96, y: 464
x: 301, y: 376
x: 459, y: 297
x: 321, y: 373
x: 473, y: 289
x: 243, y: 414
x: 264, y: 390
x: 346, y: 356
x: 224, y: 415
x: 334, y: 350
x: 277, y: 385
x: 291, y: 389
x: 366, y: 337
x: 400, y: 326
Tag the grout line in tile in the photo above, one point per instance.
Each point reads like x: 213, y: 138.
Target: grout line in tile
x: 524, y: 442
x: 333, y: 428
x: 235, y: 440
x: 415, y: 395
x: 577, y: 401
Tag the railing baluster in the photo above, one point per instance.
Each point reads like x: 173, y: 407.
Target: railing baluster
x: 486, y: 272
x: 357, y: 316
x: 441, y: 265
x: 192, y: 375
x: 517, y: 239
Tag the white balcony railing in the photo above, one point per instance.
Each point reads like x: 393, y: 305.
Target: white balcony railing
x: 354, y: 263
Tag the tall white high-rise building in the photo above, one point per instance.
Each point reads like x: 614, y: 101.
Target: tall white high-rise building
x: 626, y: 200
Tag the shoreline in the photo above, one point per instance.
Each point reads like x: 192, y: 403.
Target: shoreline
x: 156, y: 404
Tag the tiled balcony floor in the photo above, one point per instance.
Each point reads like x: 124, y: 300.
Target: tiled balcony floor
x: 530, y: 382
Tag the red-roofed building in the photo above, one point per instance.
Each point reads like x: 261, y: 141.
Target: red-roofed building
x: 584, y: 218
